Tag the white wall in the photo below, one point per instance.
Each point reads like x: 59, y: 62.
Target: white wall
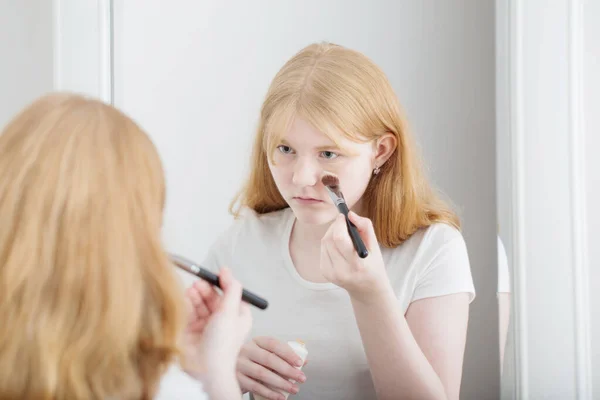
x: 83, y: 47
x: 503, y: 156
x: 194, y: 74
x: 591, y: 93
x: 26, y: 54
x: 550, y: 68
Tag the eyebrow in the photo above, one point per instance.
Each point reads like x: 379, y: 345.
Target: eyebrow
x: 320, y: 148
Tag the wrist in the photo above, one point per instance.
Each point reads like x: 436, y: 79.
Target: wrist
x: 377, y: 294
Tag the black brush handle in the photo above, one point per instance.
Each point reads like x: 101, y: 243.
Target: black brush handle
x: 359, y: 245
x: 202, y: 273
x: 247, y: 296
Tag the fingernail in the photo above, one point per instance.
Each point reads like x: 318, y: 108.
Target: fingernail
x: 294, y: 390
x: 299, y: 362
x: 301, y: 378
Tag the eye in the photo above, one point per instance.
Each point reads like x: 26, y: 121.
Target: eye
x: 330, y: 155
x: 285, y: 149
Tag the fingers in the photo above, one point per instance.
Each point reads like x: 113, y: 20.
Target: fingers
x: 274, y: 363
x: 250, y: 385
x: 264, y: 376
x: 340, y: 272
x: 365, y: 228
x: 341, y: 238
x: 203, y: 299
x: 337, y: 251
x: 232, y: 291
x: 283, y: 350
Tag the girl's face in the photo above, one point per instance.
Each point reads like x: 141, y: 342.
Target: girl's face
x: 304, y: 156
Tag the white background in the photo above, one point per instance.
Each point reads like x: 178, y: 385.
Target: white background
x: 26, y: 54
x: 548, y: 192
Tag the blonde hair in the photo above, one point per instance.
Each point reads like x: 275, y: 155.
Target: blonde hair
x: 90, y: 306
x: 340, y: 90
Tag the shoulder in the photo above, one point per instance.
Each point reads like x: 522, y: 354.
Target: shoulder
x: 441, y: 236
x: 442, y: 266
x: 437, y: 246
x: 427, y: 242
x: 443, y: 243
x: 250, y: 222
x: 252, y: 225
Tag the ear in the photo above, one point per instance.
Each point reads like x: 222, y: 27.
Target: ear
x: 384, y: 147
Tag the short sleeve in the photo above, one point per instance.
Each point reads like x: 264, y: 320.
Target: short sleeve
x: 449, y: 272
x: 219, y: 253
x: 175, y: 384
x: 503, y: 270
x: 211, y: 259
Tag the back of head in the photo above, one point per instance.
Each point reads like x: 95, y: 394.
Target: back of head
x: 341, y: 92
x: 89, y: 306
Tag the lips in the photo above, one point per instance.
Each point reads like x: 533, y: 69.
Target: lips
x: 307, y: 198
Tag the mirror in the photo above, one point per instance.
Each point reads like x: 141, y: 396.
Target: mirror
x: 195, y: 75
x: 197, y: 84
x: 504, y: 203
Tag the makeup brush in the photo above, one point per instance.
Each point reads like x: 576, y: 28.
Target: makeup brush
x: 332, y: 184
x: 203, y: 273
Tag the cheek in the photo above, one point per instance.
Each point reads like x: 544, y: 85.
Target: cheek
x: 280, y: 173
x: 354, y: 180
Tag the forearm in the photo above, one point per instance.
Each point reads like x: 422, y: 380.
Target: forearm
x: 398, y: 366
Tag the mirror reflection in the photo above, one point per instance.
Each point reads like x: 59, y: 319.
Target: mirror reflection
x: 290, y: 137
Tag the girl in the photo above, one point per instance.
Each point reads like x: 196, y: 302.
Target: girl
x: 390, y: 326
x: 89, y: 303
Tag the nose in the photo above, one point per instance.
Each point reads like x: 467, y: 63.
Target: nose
x: 307, y: 172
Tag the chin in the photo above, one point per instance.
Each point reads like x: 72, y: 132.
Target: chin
x: 306, y: 215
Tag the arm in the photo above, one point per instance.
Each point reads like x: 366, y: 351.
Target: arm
x: 216, y: 330
x: 503, y: 298
x: 418, y: 356
x: 504, y: 313
x: 222, y: 387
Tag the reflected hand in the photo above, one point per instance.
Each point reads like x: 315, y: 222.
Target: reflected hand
x: 341, y: 265
x: 264, y: 366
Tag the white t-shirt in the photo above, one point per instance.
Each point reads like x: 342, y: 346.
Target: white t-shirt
x: 178, y: 385
x: 503, y: 270
x: 433, y: 262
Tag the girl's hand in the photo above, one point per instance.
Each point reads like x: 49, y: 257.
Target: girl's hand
x: 217, y: 327
x: 340, y: 264
x: 265, y: 367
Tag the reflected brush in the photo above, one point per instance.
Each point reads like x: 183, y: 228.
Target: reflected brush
x: 332, y: 184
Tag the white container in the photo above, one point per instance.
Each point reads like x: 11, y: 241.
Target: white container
x: 300, y: 349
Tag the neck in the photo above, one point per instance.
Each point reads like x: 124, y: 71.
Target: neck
x: 310, y: 235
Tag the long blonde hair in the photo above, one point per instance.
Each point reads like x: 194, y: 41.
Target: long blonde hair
x: 339, y: 90
x: 89, y: 305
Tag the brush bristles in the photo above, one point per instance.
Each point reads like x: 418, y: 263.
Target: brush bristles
x: 331, y: 181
